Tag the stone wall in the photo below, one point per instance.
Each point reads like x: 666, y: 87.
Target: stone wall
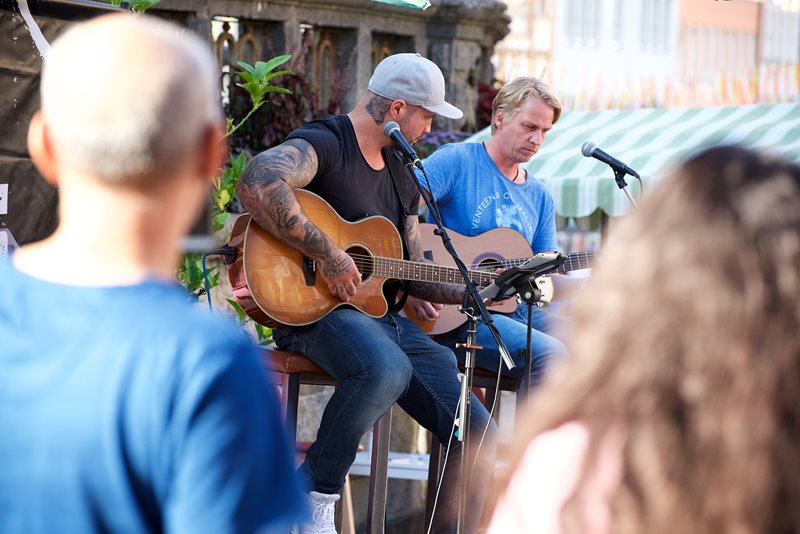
x: 457, y: 35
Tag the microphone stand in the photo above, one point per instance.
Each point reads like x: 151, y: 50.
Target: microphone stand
x: 619, y: 177
x: 522, y: 281
x: 530, y: 293
x: 483, y: 316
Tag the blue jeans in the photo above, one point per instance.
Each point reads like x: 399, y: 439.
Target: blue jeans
x: 378, y: 362
x: 514, y: 331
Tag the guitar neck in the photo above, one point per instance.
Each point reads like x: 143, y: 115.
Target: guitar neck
x: 423, y: 272
x: 428, y: 272
x: 578, y: 260
x: 573, y: 262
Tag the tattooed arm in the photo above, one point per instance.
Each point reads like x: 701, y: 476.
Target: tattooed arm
x: 265, y: 190
x: 428, y: 291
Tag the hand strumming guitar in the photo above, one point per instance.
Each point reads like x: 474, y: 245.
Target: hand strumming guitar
x: 340, y: 272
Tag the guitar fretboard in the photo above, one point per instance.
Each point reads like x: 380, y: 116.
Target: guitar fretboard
x: 427, y: 272
x: 573, y: 262
x: 424, y: 272
x: 579, y: 260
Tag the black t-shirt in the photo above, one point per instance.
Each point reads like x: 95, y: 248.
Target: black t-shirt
x: 353, y: 188
x: 347, y: 182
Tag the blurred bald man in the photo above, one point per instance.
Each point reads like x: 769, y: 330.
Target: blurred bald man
x: 123, y: 408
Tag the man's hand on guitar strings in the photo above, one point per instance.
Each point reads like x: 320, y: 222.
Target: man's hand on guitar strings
x: 424, y: 310
x: 340, y: 272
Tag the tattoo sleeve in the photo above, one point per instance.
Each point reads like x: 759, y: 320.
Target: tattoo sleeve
x: 430, y: 291
x: 265, y: 190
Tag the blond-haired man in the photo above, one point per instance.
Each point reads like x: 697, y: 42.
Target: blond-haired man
x: 482, y: 186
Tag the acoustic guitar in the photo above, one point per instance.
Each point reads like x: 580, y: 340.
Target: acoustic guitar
x: 487, y: 252
x: 276, y: 285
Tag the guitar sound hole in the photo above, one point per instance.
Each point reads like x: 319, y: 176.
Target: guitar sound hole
x: 363, y: 260
x: 489, y: 265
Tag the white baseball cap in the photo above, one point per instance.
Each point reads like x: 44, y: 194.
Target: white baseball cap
x: 416, y: 80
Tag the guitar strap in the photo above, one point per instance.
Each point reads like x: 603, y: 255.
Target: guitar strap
x: 406, y: 191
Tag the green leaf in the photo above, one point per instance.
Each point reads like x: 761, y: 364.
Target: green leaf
x: 218, y: 220
x: 239, y: 311
x: 263, y: 67
x: 273, y: 89
x: 238, y: 164
x: 246, y: 76
x: 251, y: 87
x: 223, y: 199
x: 271, y: 75
x: 190, y: 272
x: 140, y: 6
x: 246, y: 66
x: 264, y: 334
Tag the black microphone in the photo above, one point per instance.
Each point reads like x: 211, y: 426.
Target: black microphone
x: 590, y: 150
x: 392, y: 130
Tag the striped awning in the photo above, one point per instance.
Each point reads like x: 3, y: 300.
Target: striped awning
x: 651, y: 141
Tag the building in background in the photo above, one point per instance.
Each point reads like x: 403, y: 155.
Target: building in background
x: 610, y: 54
x: 528, y: 47
x: 342, y: 41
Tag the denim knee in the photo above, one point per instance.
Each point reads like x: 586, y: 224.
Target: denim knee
x: 385, y: 377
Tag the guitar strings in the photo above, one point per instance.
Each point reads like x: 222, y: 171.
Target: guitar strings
x: 451, y: 274
x: 439, y: 273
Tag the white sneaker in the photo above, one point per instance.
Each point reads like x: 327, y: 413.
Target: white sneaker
x: 322, y: 514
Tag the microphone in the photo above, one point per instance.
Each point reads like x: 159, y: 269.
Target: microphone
x: 392, y: 130
x: 590, y: 150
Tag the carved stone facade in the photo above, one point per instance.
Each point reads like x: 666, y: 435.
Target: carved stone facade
x: 349, y: 37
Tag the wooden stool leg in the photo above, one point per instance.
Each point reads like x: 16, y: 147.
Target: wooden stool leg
x: 291, y: 395
x: 378, y: 474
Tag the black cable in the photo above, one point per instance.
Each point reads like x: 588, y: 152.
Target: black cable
x: 228, y: 254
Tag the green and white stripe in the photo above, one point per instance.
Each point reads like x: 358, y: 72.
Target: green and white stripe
x: 651, y: 141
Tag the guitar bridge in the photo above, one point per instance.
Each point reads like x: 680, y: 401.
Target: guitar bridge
x: 309, y: 271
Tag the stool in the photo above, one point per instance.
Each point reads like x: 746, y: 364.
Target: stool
x: 290, y: 369
x: 481, y: 378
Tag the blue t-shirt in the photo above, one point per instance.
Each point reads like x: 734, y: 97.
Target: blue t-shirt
x: 127, y: 409
x: 474, y: 196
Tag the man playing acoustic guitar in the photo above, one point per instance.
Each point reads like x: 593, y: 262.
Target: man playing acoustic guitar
x: 348, y: 161
x: 482, y: 186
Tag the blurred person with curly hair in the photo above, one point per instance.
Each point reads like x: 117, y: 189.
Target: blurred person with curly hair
x: 678, y: 409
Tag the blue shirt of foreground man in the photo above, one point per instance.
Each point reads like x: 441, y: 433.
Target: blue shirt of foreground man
x: 482, y: 186
x: 123, y: 408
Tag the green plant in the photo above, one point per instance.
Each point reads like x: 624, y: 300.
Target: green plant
x: 263, y: 333
x: 285, y: 112
x: 257, y: 78
x: 191, y: 271
x: 190, y: 274
x: 138, y: 6
x: 224, y: 190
